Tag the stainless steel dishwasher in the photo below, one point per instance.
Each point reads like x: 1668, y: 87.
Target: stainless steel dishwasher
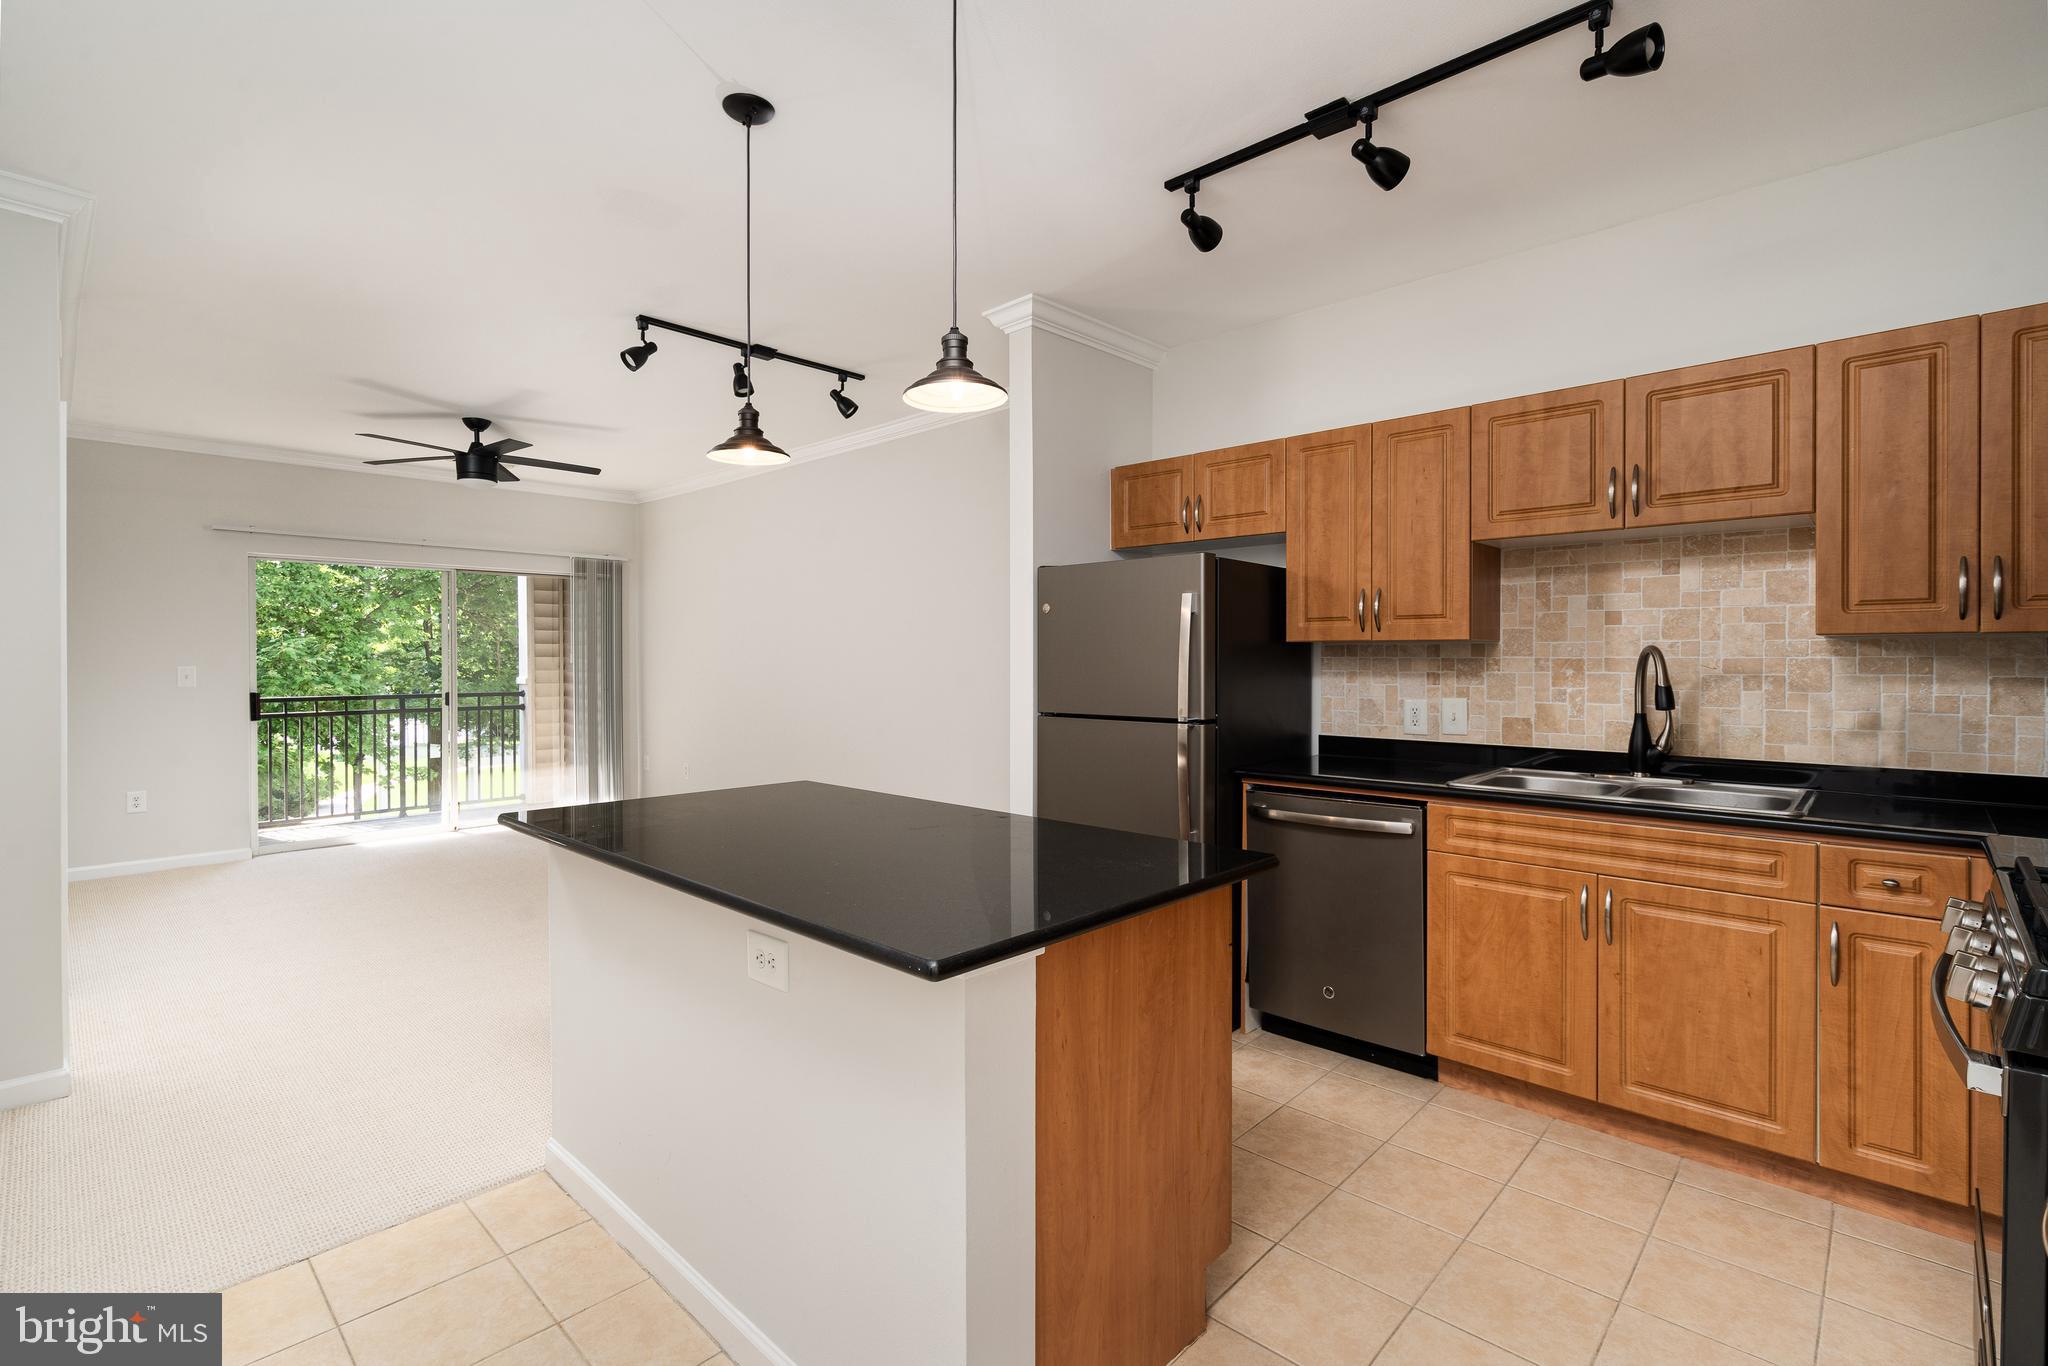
x: 1336, y: 932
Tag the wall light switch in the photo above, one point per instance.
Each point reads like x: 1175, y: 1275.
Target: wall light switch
x: 1453, y: 716
x: 188, y: 675
x: 768, y: 960
x: 1415, y: 717
x: 138, y: 800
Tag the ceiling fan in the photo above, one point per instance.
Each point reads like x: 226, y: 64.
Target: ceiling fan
x: 479, y: 461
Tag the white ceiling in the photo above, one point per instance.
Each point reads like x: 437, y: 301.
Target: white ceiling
x: 317, y: 219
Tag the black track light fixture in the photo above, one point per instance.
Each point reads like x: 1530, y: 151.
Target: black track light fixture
x: 1386, y: 166
x: 636, y: 356
x: 1205, y: 232
x: 742, y: 386
x: 1633, y: 54
x: 846, y: 406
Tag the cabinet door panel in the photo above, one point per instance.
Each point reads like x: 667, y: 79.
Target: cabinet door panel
x: 1706, y: 1012
x: 1433, y: 584
x: 1511, y: 971
x: 1149, y: 502
x: 2015, y: 464
x: 1241, y: 491
x: 1714, y: 442
x: 1543, y: 465
x: 1329, y: 533
x: 1891, y: 1106
x: 1896, y: 505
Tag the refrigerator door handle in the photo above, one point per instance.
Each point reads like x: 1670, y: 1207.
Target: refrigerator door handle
x: 1184, y: 774
x: 1187, y: 661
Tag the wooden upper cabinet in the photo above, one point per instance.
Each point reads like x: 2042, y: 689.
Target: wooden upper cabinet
x: 1896, y: 500
x: 1513, y: 971
x: 1729, y: 440
x: 1706, y: 1011
x: 1548, y: 464
x: 1151, y: 503
x: 1329, y: 534
x: 1241, y: 491
x: 1891, y: 1107
x: 1429, y: 581
x: 2014, y: 529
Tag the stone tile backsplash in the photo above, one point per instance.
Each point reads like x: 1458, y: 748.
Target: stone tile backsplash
x: 1734, y: 613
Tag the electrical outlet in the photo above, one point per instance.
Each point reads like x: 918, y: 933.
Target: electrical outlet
x: 188, y: 675
x: 1415, y: 717
x: 138, y: 800
x: 768, y: 960
x: 1452, y: 716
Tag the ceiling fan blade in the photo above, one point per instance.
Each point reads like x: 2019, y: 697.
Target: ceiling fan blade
x: 408, y: 460
x: 548, y: 464
x: 506, y: 476
x: 427, y: 445
x: 506, y: 446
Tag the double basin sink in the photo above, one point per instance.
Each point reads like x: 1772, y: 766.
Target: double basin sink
x: 1675, y: 794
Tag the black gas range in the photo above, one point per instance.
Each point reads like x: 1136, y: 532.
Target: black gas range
x: 1997, y: 961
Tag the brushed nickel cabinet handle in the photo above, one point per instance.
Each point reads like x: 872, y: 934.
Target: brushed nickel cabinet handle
x: 1963, y: 590
x: 1198, y: 512
x: 1613, y: 479
x: 1358, y: 609
x: 1890, y: 884
x: 1585, y: 930
x: 1375, y: 609
x: 1607, y: 914
x: 1835, y: 953
x: 1183, y: 516
x: 1997, y: 587
x: 1635, y: 490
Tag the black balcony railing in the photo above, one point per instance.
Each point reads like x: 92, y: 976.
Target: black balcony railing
x: 361, y: 755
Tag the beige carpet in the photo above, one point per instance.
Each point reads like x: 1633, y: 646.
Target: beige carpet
x: 275, y: 1057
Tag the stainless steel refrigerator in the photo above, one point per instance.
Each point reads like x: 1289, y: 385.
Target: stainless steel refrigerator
x: 1157, y: 679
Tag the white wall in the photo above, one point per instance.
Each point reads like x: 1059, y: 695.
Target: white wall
x: 152, y: 588
x: 1951, y: 226
x: 32, y: 1033
x: 840, y: 620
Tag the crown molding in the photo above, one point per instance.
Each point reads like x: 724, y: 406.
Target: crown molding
x: 1050, y: 315
x: 879, y: 434
x: 71, y: 211
x: 278, y: 455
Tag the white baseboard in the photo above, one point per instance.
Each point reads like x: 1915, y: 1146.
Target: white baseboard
x: 154, y: 865
x: 741, y: 1338
x: 28, y: 1090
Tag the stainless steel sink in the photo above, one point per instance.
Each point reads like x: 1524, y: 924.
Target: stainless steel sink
x: 1676, y: 793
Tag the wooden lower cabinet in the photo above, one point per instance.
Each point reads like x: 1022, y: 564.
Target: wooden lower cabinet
x: 1891, y: 1106
x: 1706, y: 1011
x: 1513, y: 971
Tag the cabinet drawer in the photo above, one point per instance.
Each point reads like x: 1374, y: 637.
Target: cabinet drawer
x: 1900, y: 881
x: 1686, y: 856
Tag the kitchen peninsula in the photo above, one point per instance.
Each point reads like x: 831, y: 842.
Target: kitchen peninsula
x: 986, y: 1117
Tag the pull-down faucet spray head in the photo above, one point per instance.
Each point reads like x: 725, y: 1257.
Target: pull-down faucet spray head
x: 1644, y: 754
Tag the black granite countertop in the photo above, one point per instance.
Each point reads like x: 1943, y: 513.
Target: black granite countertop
x: 926, y: 887
x: 2006, y: 816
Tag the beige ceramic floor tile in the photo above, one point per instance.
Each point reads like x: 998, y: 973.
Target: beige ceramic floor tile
x: 1270, y: 1075
x: 526, y: 1211
x: 1751, y: 1191
x: 1872, y: 1228
x: 1358, y: 1105
x: 576, y: 1268
x: 1314, y: 1146
x: 325, y: 1350
x: 551, y: 1348
x: 1583, y: 1248
x: 1267, y: 1198
x: 1390, y: 1252
x: 1447, y: 1197
x: 1248, y: 1108
x: 1322, y: 1059
x: 1906, y: 1289
x: 1493, y: 1111
x: 1424, y: 1341
x: 640, y: 1327
x: 403, y: 1260
x: 1619, y: 1194
x: 1850, y: 1337
x: 1636, y: 1339
x: 1621, y: 1150
x: 1308, y: 1313
x: 1489, y: 1150
x: 1528, y: 1312
x: 1744, y: 1309
x: 1748, y: 1235
x: 454, y: 1324
x: 1245, y: 1248
x: 1221, y: 1345
x: 1387, y: 1079
x: 270, y: 1313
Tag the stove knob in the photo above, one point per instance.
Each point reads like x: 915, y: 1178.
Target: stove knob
x: 1962, y: 972
x: 1963, y: 940
x: 1969, y: 914
x: 1982, y: 988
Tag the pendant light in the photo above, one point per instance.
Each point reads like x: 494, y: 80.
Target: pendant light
x: 954, y: 385
x: 748, y: 445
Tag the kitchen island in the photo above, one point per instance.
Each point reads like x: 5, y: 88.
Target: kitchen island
x: 984, y: 1114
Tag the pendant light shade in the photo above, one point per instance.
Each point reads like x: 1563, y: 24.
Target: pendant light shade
x: 954, y: 385
x: 748, y: 444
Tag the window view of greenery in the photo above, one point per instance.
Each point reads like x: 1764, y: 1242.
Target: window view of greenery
x: 349, y: 664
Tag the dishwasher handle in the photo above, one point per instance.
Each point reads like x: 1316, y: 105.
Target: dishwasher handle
x: 1363, y: 823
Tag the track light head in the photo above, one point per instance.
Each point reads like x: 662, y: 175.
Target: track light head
x: 1386, y: 166
x: 1633, y: 54
x: 847, y: 407
x: 742, y: 386
x: 1203, y: 231
x: 633, y: 357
